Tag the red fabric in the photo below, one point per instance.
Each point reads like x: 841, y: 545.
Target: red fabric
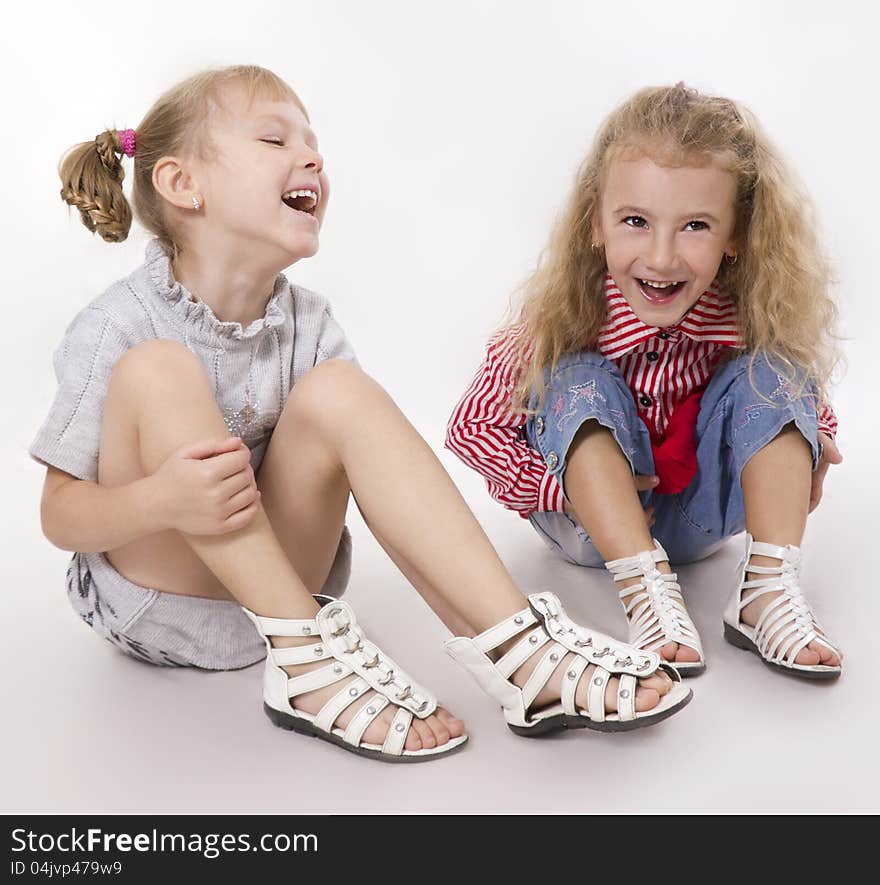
x: 675, y: 453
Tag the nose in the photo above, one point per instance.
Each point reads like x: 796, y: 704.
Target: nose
x: 660, y: 256
x: 309, y: 158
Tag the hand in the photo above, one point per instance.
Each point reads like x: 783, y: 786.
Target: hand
x: 207, y: 488
x: 830, y: 455
x: 642, y: 484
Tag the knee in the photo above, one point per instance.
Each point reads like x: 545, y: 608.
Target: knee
x: 156, y: 362
x: 332, y: 388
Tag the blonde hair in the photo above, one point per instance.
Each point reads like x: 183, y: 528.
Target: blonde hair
x: 92, y: 174
x: 780, y: 280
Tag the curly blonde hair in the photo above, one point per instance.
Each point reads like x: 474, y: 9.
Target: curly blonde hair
x: 92, y: 174
x: 780, y: 281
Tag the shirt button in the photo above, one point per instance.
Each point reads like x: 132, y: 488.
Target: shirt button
x: 645, y: 400
x: 539, y: 425
x: 663, y: 335
x: 552, y: 460
x: 652, y: 357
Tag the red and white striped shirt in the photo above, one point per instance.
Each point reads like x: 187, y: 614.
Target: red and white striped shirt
x: 661, y: 366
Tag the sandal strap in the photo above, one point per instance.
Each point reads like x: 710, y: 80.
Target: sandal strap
x: 626, y: 697
x: 509, y: 663
x: 343, y: 698
x: 363, y: 719
x: 570, y: 684
x: 542, y: 673
x: 596, y: 695
x: 490, y: 639
x: 316, y: 679
x: 395, y: 740
x: 284, y: 626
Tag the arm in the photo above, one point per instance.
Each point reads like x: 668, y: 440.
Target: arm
x: 79, y: 515
x: 487, y: 436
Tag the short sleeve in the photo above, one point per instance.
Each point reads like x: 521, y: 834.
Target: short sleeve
x: 70, y: 436
x: 332, y: 343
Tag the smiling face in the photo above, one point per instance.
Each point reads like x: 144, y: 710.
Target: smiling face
x: 665, y: 230
x: 263, y: 186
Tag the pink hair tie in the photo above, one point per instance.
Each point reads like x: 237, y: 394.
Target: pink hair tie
x: 126, y: 142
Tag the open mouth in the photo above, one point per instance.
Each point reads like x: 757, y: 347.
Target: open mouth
x: 660, y: 291
x: 305, y: 201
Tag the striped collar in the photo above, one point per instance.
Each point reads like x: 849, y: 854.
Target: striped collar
x: 712, y: 319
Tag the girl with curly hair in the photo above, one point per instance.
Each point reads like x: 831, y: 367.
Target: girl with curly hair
x: 663, y: 385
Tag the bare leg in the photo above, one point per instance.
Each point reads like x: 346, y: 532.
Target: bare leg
x: 776, y: 490
x: 360, y: 440
x: 597, y: 473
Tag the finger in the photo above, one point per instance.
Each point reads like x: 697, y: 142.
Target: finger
x: 241, y: 517
x: 207, y: 448
x: 229, y: 463
x: 236, y: 483
x: 643, y: 483
x: 242, y: 499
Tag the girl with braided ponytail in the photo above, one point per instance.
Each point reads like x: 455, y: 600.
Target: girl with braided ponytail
x: 211, y: 423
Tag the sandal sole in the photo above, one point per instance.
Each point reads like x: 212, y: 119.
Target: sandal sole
x: 301, y: 726
x: 565, y: 722
x: 740, y: 640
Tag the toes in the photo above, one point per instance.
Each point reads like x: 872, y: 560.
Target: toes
x: 826, y: 656
x: 807, y: 657
x: 424, y: 732
x: 687, y: 654
x: 454, y: 726
x: 413, y: 741
x: 646, y: 699
x: 669, y: 651
x: 439, y: 730
x: 659, y: 682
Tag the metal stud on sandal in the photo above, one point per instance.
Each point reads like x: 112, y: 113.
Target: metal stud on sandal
x: 787, y: 625
x: 656, y: 612
x: 341, y: 642
x: 545, y: 625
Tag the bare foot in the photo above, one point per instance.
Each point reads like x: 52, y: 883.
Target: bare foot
x: 814, y: 653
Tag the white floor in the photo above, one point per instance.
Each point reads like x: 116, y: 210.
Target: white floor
x: 89, y: 730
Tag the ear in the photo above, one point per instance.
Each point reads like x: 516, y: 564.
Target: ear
x: 597, y: 237
x: 174, y: 183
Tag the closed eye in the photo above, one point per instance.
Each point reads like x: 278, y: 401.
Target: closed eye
x: 273, y: 141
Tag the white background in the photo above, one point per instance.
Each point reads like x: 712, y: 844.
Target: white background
x: 451, y: 133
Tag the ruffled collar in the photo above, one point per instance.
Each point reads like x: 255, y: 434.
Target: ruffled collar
x: 198, y: 314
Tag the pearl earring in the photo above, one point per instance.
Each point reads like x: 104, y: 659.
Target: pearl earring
x: 196, y: 204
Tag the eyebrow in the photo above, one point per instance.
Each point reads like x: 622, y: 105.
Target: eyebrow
x: 635, y: 210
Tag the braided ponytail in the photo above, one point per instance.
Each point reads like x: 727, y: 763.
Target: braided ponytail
x: 91, y: 177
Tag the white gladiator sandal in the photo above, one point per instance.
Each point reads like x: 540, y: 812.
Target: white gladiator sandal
x: 545, y: 625
x: 787, y: 625
x: 341, y: 642
x: 656, y: 613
